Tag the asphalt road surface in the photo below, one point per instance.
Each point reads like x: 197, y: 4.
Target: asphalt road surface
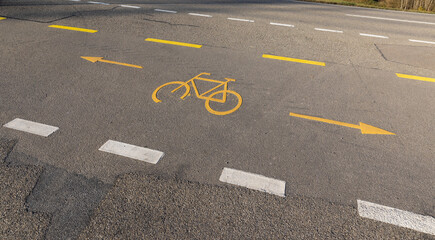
x: 335, y: 103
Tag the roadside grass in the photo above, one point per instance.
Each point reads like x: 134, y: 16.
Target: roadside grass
x: 381, y: 4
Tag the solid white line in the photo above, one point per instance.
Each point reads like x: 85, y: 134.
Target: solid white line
x: 390, y: 19
x: 420, y: 41
x: 31, y: 127
x: 199, y: 15
x: 132, y: 151
x: 282, y: 24
x: 166, y: 11
x: 98, y: 3
x: 240, y: 19
x: 328, y: 30
x: 253, y: 181
x: 75, y: 0
x: 371, y: 35
x: 421, y: 223
x: 129, y: 6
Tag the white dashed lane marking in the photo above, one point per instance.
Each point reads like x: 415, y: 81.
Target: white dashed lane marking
x: 282, y: 24
x: 290, y: 25
x: 390, y: 19
x: 253, y: 181
x: 31, y: 127
x: 421, y: 223
x: 421, y: 41
x: 328, y: 30
x: 129, y: 6
x: 98, y: 3
x: 240, y: 19
x: 372, y: 35
x: 166, y: 11
x: 199, y: 15
x: 132, y: 151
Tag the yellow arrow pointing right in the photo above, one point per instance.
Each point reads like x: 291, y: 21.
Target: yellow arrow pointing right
x: 365, y: 128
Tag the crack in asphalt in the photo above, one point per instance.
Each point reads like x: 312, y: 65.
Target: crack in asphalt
x: 36, y: 21
x: 382, y: 54
x: 171, y: 24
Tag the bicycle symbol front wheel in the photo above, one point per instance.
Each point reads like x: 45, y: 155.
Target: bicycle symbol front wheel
x: 181, y: 84
x: 239, y: 103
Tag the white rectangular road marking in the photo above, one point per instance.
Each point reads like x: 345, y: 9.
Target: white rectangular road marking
x: 132, y: 151
x: 421, y: 223
x: 199, y: 15
x: 31, y: 127
x: 328, y: 30
x: 420, y: 41
x: 166, y: 11
x: 390, y: 19
x: 282, y: 24
x: 253, y: 181
x: 98, y: 3
x: 240, y: 19
x: 129, y: 6
x: 371, y: 35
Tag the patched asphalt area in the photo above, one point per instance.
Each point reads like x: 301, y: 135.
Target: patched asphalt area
x: 16, y: 183
x: 48, y: 203
x: 6, y: 147
x: 40, y: 201
x: 141, y: 206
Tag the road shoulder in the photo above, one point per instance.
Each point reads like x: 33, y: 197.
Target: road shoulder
x: 141, y: 206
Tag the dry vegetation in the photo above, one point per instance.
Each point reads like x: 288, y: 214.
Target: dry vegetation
x: 421, y: 5
x: 408, y: 5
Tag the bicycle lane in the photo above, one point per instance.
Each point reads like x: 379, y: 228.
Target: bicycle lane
x: 260, y: 137
x: 198, y: 144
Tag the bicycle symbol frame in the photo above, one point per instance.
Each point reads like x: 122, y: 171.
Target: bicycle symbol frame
x: 202, y: 96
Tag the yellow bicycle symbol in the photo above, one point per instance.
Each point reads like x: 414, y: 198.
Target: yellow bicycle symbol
x: 202, y: 96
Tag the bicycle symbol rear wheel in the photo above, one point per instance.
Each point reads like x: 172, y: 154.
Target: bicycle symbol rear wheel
x: 239, y: 103
x: 154, y: 96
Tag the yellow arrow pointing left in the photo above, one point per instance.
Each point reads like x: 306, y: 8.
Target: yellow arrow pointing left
x: 100, y: 59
